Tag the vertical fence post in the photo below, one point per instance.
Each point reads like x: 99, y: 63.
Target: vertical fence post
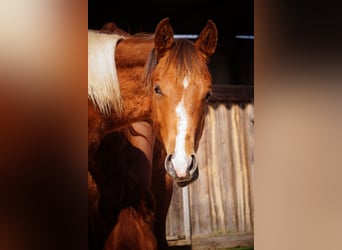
x: 186, y: 212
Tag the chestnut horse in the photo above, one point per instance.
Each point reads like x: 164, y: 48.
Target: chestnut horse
x: 121, y: 206
x: 156, y: 78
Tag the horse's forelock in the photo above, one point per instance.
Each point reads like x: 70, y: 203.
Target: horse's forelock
x: 183, y: 56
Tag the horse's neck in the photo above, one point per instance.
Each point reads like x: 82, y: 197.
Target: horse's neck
x: 131, y: 58
x: 136, y: 100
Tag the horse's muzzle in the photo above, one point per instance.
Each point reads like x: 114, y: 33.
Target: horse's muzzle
x: 188, y: 175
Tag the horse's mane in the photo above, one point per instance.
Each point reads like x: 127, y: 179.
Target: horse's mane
x: 103, y: 84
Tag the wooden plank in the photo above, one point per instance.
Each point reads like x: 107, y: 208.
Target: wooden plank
x: 186, y: 212
x: 199, y: 190
x: 204, y: 242
x: 175, y: 217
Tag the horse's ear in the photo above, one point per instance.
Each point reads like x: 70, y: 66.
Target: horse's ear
x: 207, y: 39
x: 163, y: 35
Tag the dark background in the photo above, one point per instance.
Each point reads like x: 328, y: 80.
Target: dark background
x: 232, y: 63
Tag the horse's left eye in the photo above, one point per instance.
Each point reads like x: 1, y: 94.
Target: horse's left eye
x: 207, y: 96
x: 157, y: 90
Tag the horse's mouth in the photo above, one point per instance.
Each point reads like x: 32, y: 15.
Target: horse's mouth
x: 194, y: 177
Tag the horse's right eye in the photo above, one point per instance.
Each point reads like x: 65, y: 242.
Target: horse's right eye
x: 157, y: 90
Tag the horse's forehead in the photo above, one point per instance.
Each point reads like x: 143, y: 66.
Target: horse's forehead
x: 181, y: 87
x: 180, y: 76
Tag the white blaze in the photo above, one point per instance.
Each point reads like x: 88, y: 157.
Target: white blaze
x: 179, y: 158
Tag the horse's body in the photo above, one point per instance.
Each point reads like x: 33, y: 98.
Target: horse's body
x: 127, y: 221
x: 166, y: 82
x: 121, y: 196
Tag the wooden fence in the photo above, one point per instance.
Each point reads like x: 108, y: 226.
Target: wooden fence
x: 217, y: 210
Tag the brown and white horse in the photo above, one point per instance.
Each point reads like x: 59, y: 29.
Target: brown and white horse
x: 158, y: 78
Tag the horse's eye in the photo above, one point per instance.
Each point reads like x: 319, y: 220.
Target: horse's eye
x: 207, y: 96
x: 157, y: 90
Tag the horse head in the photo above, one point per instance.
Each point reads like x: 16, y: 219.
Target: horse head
x: 181, y: 84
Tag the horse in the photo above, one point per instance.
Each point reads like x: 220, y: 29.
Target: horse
x: 127, y: 222
x: 163, y: 80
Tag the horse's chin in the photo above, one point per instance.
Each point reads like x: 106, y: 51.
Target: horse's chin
x: 185, y: 183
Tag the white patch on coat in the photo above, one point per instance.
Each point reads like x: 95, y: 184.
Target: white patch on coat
x: 103, y: 84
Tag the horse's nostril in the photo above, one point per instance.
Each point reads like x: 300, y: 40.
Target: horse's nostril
x: 193, y: 163
x: 169, y: 157
x: 169, y: 166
